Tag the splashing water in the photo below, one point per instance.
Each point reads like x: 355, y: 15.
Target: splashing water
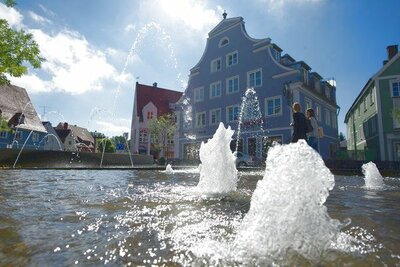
x: 250, y: 120
x: 373, y: 178
x: 168, y: 169
x: 287, y: 212
x: 218, y: 174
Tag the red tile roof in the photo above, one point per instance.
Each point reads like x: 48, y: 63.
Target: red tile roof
x: 160, y: 97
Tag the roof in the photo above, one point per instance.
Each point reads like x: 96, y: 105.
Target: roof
x: 80, y: 134
x: 62, y: 133
x: 225, y: 24
x: 160, y: 97
x: 13, y: 100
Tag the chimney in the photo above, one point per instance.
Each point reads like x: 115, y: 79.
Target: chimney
x: 65, y: 125
x: 154, y: 84
x: 392, y: 50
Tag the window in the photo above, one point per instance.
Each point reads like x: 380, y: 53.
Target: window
x: 198, y: 94
x: 232, y: 113
x: 318, y: 85
x: 216, y: 65
x: 305, y: 76
x: 215, y: 90
x: 334, y: 120
x: 18, y: 135
x: 273, y: 106
x: 327, y: 117
x: 276, y: 55
x: 200, y: 119
x: 327, y: 93
x: 308, y: 103
x: 232, y: 85
x: 143, y: 137
x: 3, y: 134
x: 318, y: 112
x: 365, y: 104
x: 223, y: 42
x: 35, y: 137
x: 254, y: 78
x: 372, y: 96
x: 232, y: 59
x: 215, y: 116
x: 149, y: 115
x: 396, y: 89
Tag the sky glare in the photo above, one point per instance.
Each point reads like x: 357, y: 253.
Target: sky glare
x: 96, y: 50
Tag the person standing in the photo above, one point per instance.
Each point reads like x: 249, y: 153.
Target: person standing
x: 313, y: 135
x: 299, y: 124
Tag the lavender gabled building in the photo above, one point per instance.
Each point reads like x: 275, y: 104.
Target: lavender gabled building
x: 232, y: 62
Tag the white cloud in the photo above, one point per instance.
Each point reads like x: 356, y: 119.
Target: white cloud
x: 130, y: 28
x: 114, y: 129
x: 75, y: 66
x: 192, y: 13
x: 32, y: 83
x: 39, y: 18
x: 13, y: 17
x: 47, y: 11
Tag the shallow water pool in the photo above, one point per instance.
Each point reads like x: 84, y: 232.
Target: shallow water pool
x: 131, y: 218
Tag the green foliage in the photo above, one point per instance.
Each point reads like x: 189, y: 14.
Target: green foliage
x: 4, y: 125
x: 397, y: 114
x: 17, y: 47
x: 10, y: 3
x: 341, y: 137
x: 162, y: 129
x: 109, y: 146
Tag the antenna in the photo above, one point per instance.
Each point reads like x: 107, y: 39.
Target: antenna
x: 44, y: 110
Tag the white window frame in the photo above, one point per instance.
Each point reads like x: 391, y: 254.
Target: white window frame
x: 199, y: 123
x: 233, y: 63
x: 273, y: 98
x: 254, y: 72
x: 215, y: 88
x: 308, y: 101
x: 214, y: 61
x: 318, y: 112
x: 218, y: 120
x: 233, y: 109
x: 305, y: 76
x: 198, y: 94
x: 3, y: 135
x: 372, y: 96
x: 18, y: 135
x: 392, y: 82
x: 233, y: 78
x: 222, y: 40
x: 35, y: 137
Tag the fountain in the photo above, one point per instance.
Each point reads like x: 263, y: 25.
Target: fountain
x: 168, y: 169
x: 218, y: 174
x: 287, y: 213
x: 373, y: 178
x: 250, y: 123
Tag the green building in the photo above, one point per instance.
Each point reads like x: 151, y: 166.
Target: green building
x: 373, y: 120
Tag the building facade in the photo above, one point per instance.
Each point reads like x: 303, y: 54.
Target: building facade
x: 232, y: 62
x: 75, y: 138
x: 373, y: 120
x: 19, y: 115
x: 150, y: 102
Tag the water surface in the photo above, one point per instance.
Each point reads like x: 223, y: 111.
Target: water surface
x: 123, y: 218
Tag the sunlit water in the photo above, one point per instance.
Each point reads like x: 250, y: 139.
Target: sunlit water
x: 122, y: 218
x: 372, y: 176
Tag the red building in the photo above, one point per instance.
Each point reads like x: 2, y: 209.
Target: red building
x: 150, y: 102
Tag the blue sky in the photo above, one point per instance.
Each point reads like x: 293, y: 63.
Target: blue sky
x: 97, y: 49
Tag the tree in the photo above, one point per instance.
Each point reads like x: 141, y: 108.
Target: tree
x: 341, y: 137
x: 4, y: 124
x: 109, y: 146
x: 162, y: 129
x: 17, y: 47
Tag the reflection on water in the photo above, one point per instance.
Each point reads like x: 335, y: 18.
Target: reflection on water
x: 148, y: 217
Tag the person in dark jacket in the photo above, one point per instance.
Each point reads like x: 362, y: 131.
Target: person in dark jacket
x: 299, y: 124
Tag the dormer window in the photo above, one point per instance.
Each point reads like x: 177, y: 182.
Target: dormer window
x: 223, y: 42
x: 216, y: 65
